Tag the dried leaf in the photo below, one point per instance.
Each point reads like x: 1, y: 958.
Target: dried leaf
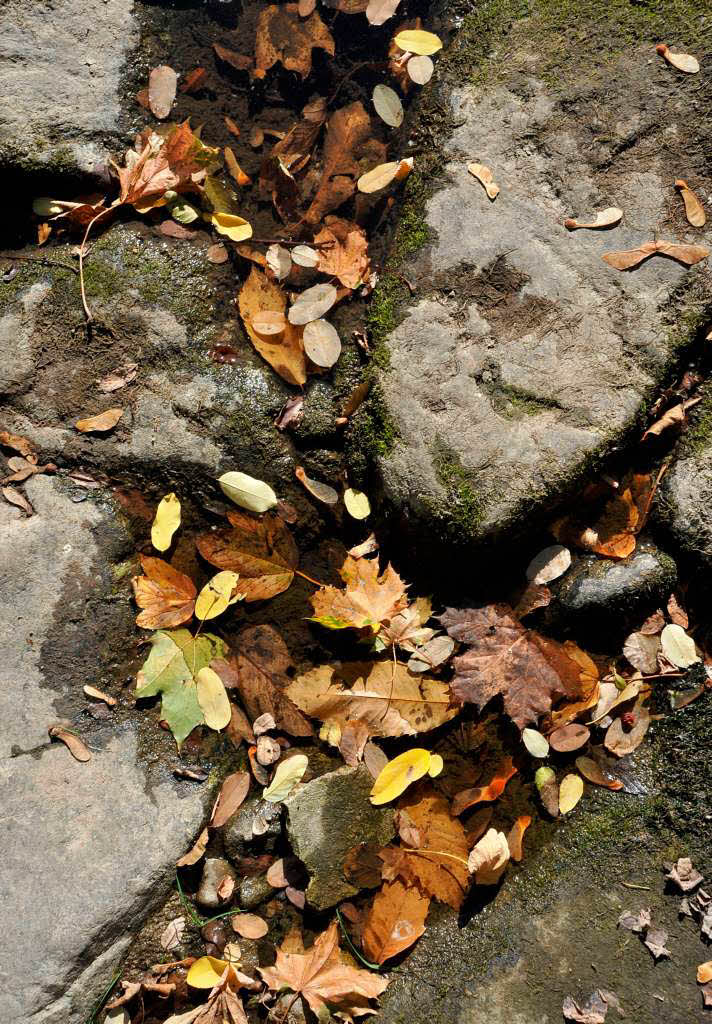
x: 432, y: 654
x: 678, y: 647
x: 118, y: 378
x: 492, y: 791
x: 263, y: 662
x: 15, y: 497
x: 549, y: 564
x: 676, y: 612
x: 305, y: 256
x: 605, y: 219
x: 395, y: 920
x: 236, y: 60
x: 285, y: 353
x: 516, y: 835
x: 443, y: 878
x: 166, y: 522
x: 100, y: 423
x: 388, y: 105
x: 217, y: 253
x: 594, y: 1012
x: 682, y: 61
x: 312, y: 304
x: 78, y: 749
x: 162, y: 85
x: 287, y: 775
x: 592, y: 772
x: 694, y: 210
x: 654, y: 941
x: 196, y: 852
x: 282, y: 37
x: 159, y: 164
x: 642, y: 652
x: 704, y: 973
x: 279, y: 261
x: 536, y: 744
x: 368, y: 600
x: 570, y: 792
x: 172, y: 934
x: 19, y: 444
x: 569, y: 737
x: 380, y: 177
x: 420, y: 69
x: 91, y: 691
x: 194, y: 81
x: 489, y: 858
x: 344, y: 252
x: 166, y: 595
x: 379, y: 11
x: 262, y: 551
x: 235, y: 170
x: 357, y: 504
x: 213, y: 699
x: 486, y: 179
x: 685, y: 876
x: 322, y: 343
x: 249, y: 926
x: 621, y: 740
x: 231, y: 797
x: 627, y: 259
x: 322, y: 492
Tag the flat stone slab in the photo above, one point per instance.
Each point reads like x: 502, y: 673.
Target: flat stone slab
x: 525, y: 356
x: 686, y: 495
x: 87, y: 849
x: 60, y: 70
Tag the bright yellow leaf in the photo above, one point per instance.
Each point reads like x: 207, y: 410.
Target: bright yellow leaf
x: 215, y: 597
x: 213, y: 699
x: 236, y: 228
x: 286, y: 777
x: 206, y: 972
x: 570, y: 792
x: 436, y: 765
x: 416, y: 40
x: 398, y: 774
x: 357, y: 503
x: 166, y: 522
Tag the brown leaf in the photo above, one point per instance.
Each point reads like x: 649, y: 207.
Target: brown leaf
x: 263, y: 662
x: 621, y: 740
x: 592, y: 772
x: 249, y: 926
x: 102, y: 422
x: 346, y: 257
x: 594, y: 1012
x: 395, y: 920
x: 19, y: 444
x: 368, y: 600
x: 166, y: 595
x: 569, y: 737
x: 319, y: 976
x: 196, y: 851
x: 235, y: 60
x: 444, y: 878
x: 612, y: 532
x: 234, y: 168
x: 261, y: 550
x: 162, y: 85
x: 171, y: 229
x: 120, y: 377
x: 194, y: 80
x: 15, y: 497
x: 684, y: 875
x: 674, y: 417
x: 232, y: 795
x: 283, y: 38
x: 626, y: 260
x: 363, y: 866
x: 694, y: 210
x: 492, y: 791
x: 76, y: 747
x: 642, y: 652
x: 388, y: 699
x: 503, y: 658
x: 677, y: 613
x: 177, y: 164
x: 284, y: 351
x: 516, y: 835
x: 349, y: 148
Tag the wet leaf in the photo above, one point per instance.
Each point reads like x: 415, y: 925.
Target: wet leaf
x: 237, y: 229
x: 166, y: 596
x: 194, y: 81
x: 416, y: 40
x: 694, y: 210
x: 682, y: 61
x: 287, y: 775
x: 536, y: 744
x: 284, y: 352
x: 654, y: 941
x: 570, y: 792
x: 322, y: 492
x: 369, y: 598
x: 398, y: 774
x: 231, y: 797
x: 486, y: 179
x: 76, y: 747
x: 676, y: 612
x: 629, y: 258
x: 516, y: 835
x: 100, y: 423
x: 213, y: 699
x: 322, y: 343
x: 312, y: 304
x: 388, y: 105
x: 218, y: 594
x: 282, y: 37
x: 549, y: 564
x: 262, y: 551
x: 166, y: 522
x: 420, y: 69
x: 236, y: 60
x: 592, y: 772
x: 162, y: 85
x: 247, y: 492
x: 605, y: 219
x: 262, y: 665
x: 394, y: 921
x: 489, y: 858
x: 467, y: 798
x: 678, y: 647
x: 569, y: 737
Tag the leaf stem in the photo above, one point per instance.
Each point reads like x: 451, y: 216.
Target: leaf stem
x: 87, y: 311
x: 440, y: 853
x: 359, y: 956
x: 316, y: 583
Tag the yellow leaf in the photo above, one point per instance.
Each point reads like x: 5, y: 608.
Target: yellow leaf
x: 215, y: 596
x: 206, y: 972
x: 166, y: 522
x: 286, y: 777
x: 378, y: 178
x: 357, y: 503
x: 436, y: 765
x: 236, y: 228
x: 570, y: 792
x: 398, y: 774
x: 416, y: 40
x: 213, y: 699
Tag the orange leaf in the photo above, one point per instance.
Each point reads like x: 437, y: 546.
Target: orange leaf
x: 100, y: 423
x: 368, y: 600
x: 443, y: 877
x: 261, y: 550
x: 346, y: 255
x: 283, y: 38
x: 492, y: 791
x: 284, y: 351
x: 166, y: 595
x: 395, y: 920
x: 516, y: 834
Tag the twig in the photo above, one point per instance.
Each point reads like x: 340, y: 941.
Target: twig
x: 285, y: 242
x: 45, y: 260
x: 632, y: 885
x: 305, y: 577
x: 87, y: 311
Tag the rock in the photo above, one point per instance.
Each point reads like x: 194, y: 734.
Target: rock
x: 605, y: 596
x: 60, y: 72
x: 215, y: 869
x: 238, y: 835
x: 217, y: 934
x: 100, y: 838
x: 254, y: 890
x: 525, y: 358
x: 685, y: 497
x: 325, y: 819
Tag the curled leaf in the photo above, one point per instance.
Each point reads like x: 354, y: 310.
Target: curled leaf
x: 100, y: 423
x: 489, y: 857
x: 486, y: 179
x: 237, y: 229
x: 605, y: 219
x: 166, y: 522
x: 247, y: 492
x: 694, y: 211
x: 388, y: 105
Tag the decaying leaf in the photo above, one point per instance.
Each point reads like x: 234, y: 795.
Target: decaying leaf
x: 694, y: 210
x: 486, y: 179
x: 682, y: 61
x: 516, y: 835
x: 284, y: 352
x: 442, y: 877
x: 162, y: 85
x: 368, y: 600
x: 592, y: 772
x: 262, y: 665
x: 77, y: 748
x: 417, y: 40
x: 287, y: 775
x: 318, y: 975
x: 678, y: 647
x: 166, y: 522
x: 623, y: 738
x: 158, y: 164
x: 172, y: 934
x: 394, y: 921
x: 629, y: 258
x: 388, y: 106
x: 101, y: 423
x: 594, y: 1012
x: 262, y: 551
x: 605, y: 219
x: 166, y: 595
x: 433, y: 653
x: 118, y: 378
x: 685, y: 876
x: 549, y: 564
x: 322, y: 492
x: 282, y: 37
x: 344, y: 251
x: 489, y: 857
x: 548, y: 787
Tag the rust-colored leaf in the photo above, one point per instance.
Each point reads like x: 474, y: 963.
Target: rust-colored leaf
x: 282, y: 37
x: 231, y: 796
x: 694, y: 210
x: 442, y: 877
x: 395, y: 920
x: 194, y: 80
x: 569, y: 737
x: 78, y: 749
x: 166, y: 595
x: 283, y: 351
x: 492, y: 791
x: 627, y: 259
x: 262, y: 663
x: 261, y: 550
x: 516, y: 835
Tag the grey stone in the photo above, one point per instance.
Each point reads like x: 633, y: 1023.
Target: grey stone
x: 60, y: 68
x: 254, y: 890
x: 238, y: 838
x: 214, y: 870
x: 525, y: 356
x: 87, y: 849
x: 328, y: 817
x: 686, y: 500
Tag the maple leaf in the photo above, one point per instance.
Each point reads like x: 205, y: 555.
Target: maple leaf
x: 319, y: 976
x: 262, y: 663
x: 369, y: 599
x: 346, y: 254
x: 166, y: 595
x: 262, y: 551
x: 505, y: 658
x: 349, y: 149
x: 395, y: 920
x: 284, y: 350
x: 157, y: 164
x: 388, y: 699
x: 283, y: 37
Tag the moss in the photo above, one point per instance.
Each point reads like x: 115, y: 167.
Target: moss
x: 513, y: 403
x: 699, y: 434
x: 372, y: 434
x: 460, y: 515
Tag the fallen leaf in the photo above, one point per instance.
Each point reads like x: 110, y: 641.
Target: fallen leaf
x: 704, y: 973
x: 166, y: 522
x: 441, y: 874
x: 379, y: 11
x: 166, y: 595
x: 621, y: 740
x: 159, y: 164
x: 357, y: 504
x: 394, y: 921
x: 642, y: 652
x: 676, y: 612
x: 237, y: 229
x: 486, y: 179
x: 287, y: 775
x: 673, y: 417
x: 15, y: 497
x: 282, y: 37
x: 312, y: 304
x: 194, y: 81
x: 594, y: 1012
x: 549, y: 564
x: 629, y: 258
x: 100, y: 423
x: 196, y: 851
x: 319, y: 976
x: 420, y: 69
x: 172, y: 934
x: 236, y: 60
x: 492, y: 791
x: 232, y: 795
x: 284, y: 353
x: 19, y: 444
x: 548, y: 788
x: 678, y: 647
x: 78, y: 749
x: 706, y: 992
x: 654, y: 941
x: 322, y: 492
x: 432, y: 654
x: 516, y: 835
x: 213, y: 699
x: 536, y: 744
x: 162, y: 85
x: 387, y: 698
x: 118, y: 378
x: 379, y: 177
x: 570, y: 792
x: 344, y: 251
x: 489, y: 858
x: 262, y: 551
x: 694, y: 210
x: 368, y: 600
x: 217, y: 253
x: 263, y: 664
x: 249, y: 926
x: 592, y: 772
x: 171, y: 229
x: 388, y: 106
x: 685, y: 876
x: 217, y: 595
x: 247, y: 492
x: 416, y: 40
x: 533, y: 596
x: 398, y: 774
x: 605, y: 219
x: 635, y: 922
x: 322, y: 343
x: 682, y: 61
x: 234, y: 168
x: 305, y: 256
x: 569, y: 737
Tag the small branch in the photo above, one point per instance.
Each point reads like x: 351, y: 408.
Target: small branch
x: 305, y: 577
x: 44, y: 260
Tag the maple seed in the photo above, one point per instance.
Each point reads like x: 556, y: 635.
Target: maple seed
x: 694, y: 210
x: 486, y: 179
x: 682, y: 61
